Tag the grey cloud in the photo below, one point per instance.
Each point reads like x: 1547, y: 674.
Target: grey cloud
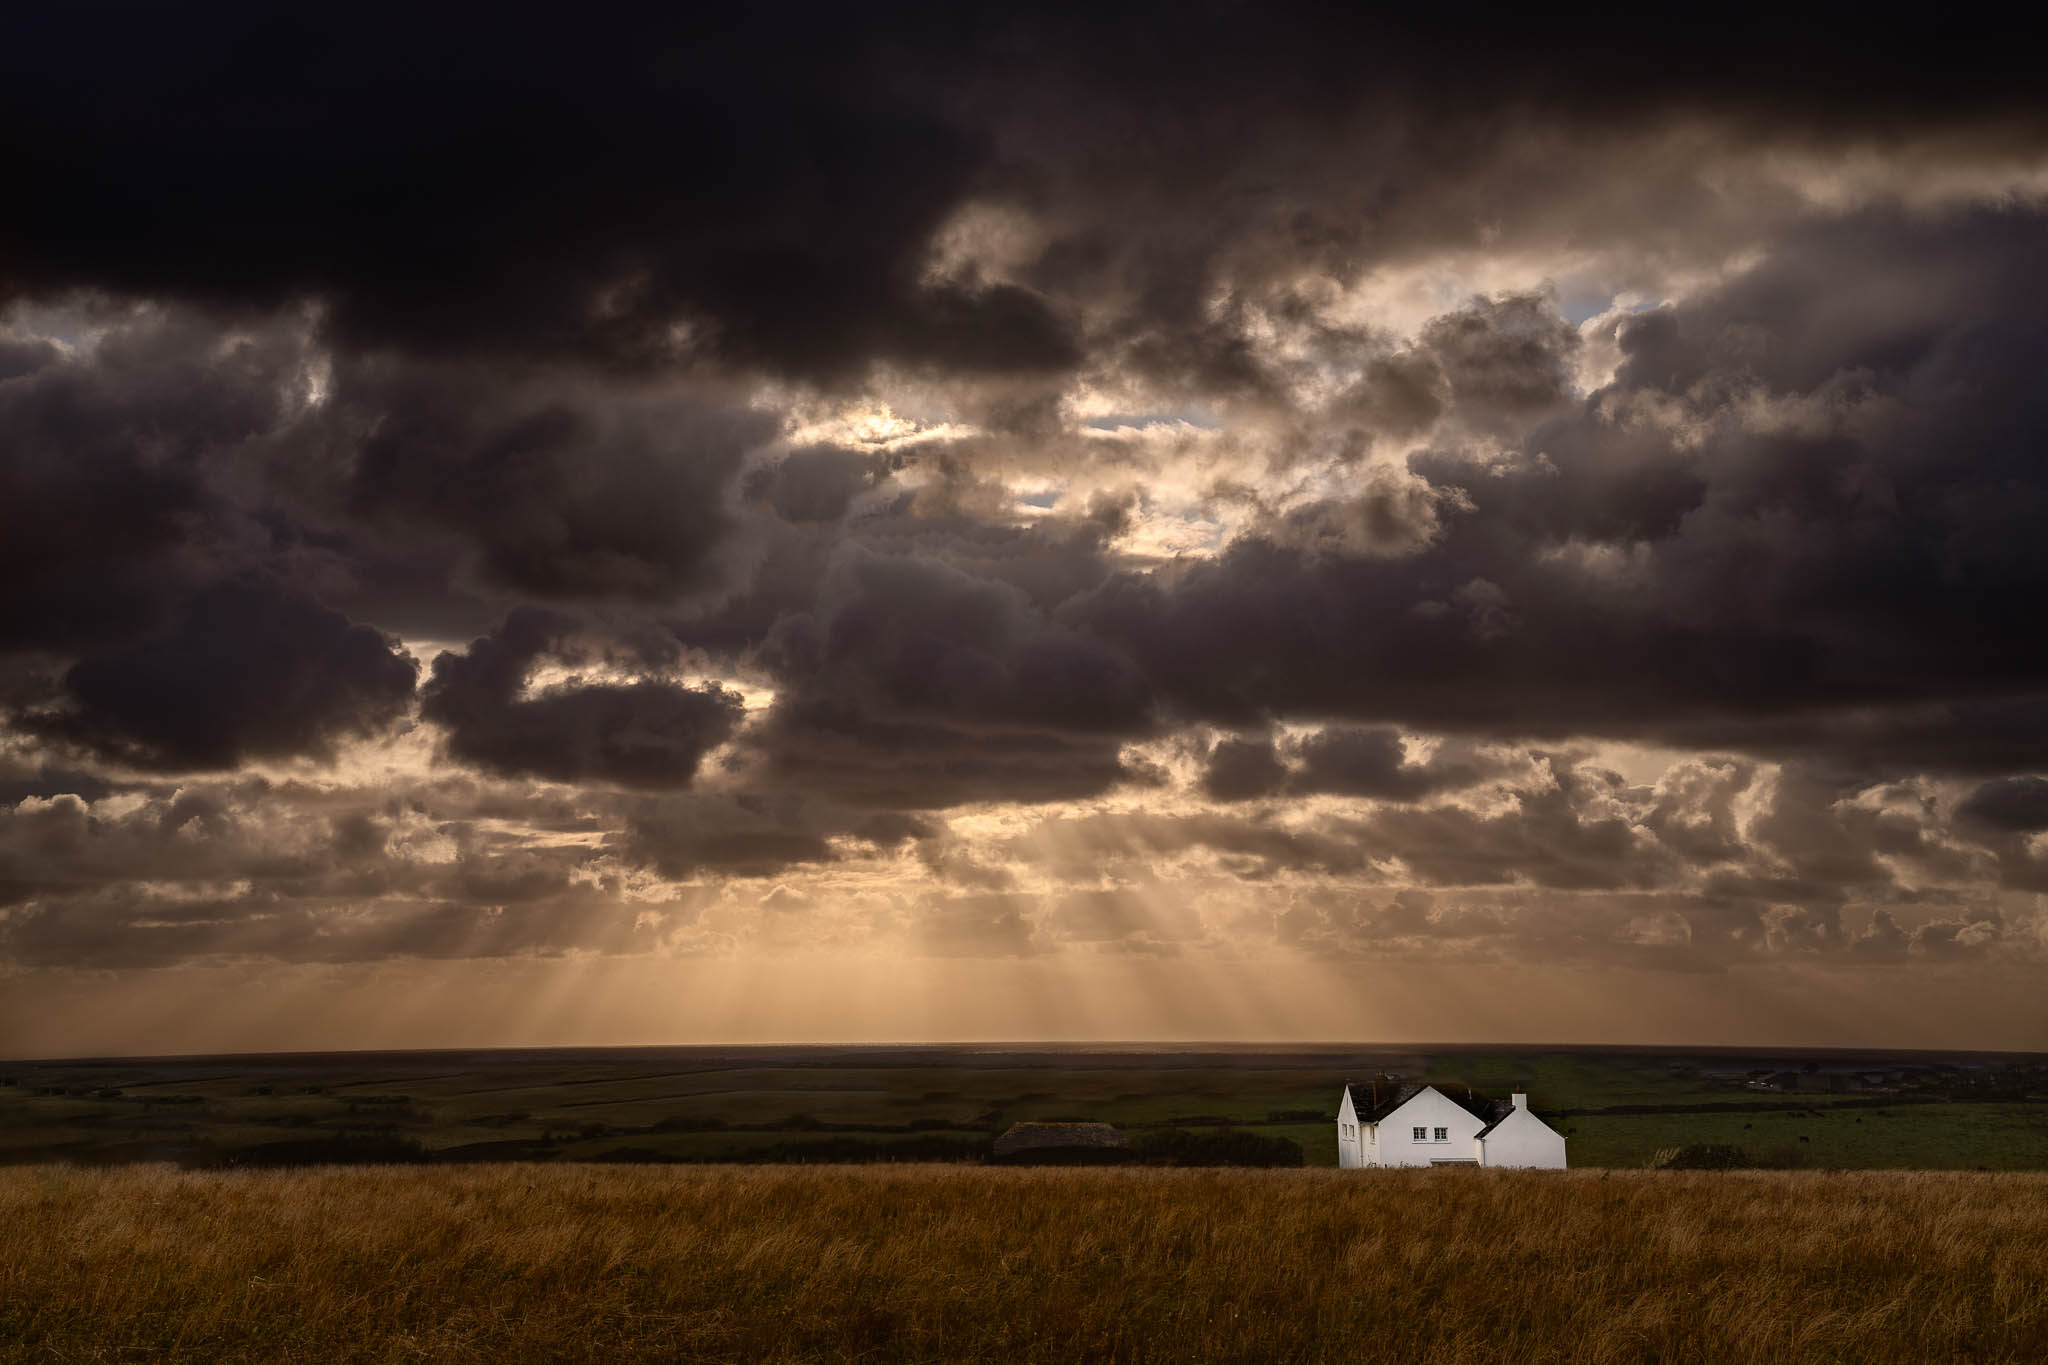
x: 817, y: 483
x: 832, y: 746
x: 247, y: 671
x: 1344, y: 761
x: 1506, y: 361
x: 1882, y: 938
x: 1240, y: 769
x: 249, y: 869
x: 1949, y: 939
x: 1352, y: 761
x: 2017, y: 805
x: 1562, y: 836
x: 563, y: 490
x: 688, y: 836
x: 915, y: 683
x: 496, y: 340
x: 649, y: 734
x: 1786, y: 527
x: 112, y: 463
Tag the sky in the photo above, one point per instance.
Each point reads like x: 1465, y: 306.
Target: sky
x: 530, y: 525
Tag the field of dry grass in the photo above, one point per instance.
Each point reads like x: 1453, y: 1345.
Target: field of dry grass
x: 514, y: 1263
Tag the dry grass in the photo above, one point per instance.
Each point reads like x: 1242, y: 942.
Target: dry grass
x: 514, y: 1263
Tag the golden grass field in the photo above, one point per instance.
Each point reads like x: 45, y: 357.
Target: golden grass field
x: 951, y: 1263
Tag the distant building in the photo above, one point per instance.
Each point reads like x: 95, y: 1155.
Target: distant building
x: 1062, y: 1144
x: 1419, y: 1125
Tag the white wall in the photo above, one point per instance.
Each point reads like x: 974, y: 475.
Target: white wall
x: 1350, y: 1149
x: 1429, y: 1111
x: 1522, y: 1139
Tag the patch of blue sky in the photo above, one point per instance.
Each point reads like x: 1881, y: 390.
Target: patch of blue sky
x: 1194, y: 417
x: 1579, y: 305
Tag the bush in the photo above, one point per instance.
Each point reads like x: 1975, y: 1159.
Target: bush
x: 896, y: 1149
x: 344, y: 1150
x: 1234, y: 1147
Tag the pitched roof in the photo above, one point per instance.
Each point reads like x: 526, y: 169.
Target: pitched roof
x: 1489, y: 1112
x: 1025, y: 1137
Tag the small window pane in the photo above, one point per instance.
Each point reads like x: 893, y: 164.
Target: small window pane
x: 1443, y: 1135
x: 1421, y: 1134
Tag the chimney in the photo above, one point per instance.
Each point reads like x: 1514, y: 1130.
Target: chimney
x: 1521, y: 1100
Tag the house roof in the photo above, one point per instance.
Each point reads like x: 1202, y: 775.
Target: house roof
x: 1489, y: 1112
x: 1497, y: 1122
x: 1029, y: 1137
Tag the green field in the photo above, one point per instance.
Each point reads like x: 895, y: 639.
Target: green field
x: 1618, y: 1108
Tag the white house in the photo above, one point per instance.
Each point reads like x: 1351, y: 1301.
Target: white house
x: 1419, y: 1125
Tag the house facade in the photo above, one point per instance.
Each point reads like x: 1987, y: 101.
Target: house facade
x: 1419, y: 1125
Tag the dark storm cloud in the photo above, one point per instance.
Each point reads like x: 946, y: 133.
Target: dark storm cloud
x: 247, y: 671
x: 327, y: 325
x: 834, y: 747
x: 2015, y: 804
x: 640, y: 734
x: 1340, y: 761
x: 562, y: 490
x: 684, y: 837
x: 920, y: 637
x: 523, y: 185
x: 762, y: 185
x: 914, y: 682
x: 1240, y: 769
x: 817, y: 483
x: 1805, y: 505
x: 109, y: 470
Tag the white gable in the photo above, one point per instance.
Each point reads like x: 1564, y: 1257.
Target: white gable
x: 1523, y: 1140
x: 1429, y: 1127
x: 1351, y: 1146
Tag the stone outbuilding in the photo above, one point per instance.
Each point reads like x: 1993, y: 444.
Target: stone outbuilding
x: 1062, y: 1144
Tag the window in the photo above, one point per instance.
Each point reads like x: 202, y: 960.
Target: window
x: 1443, y: 1135
x: 1421, y: 1134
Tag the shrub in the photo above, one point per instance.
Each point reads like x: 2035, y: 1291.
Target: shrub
x: 1224, y: 1147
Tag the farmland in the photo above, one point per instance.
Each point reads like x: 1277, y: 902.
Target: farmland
x: 1618, y: 1107
x: 518, y: 1262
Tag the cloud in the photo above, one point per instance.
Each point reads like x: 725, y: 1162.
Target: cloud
x: 682, y: 837
x: 248, y: 671
x: 1356, y: 485
x: 111, y: 507
x: 1694, y: 553
x: 2015, y: 804
x: 562, y: 490
x: 1340, y: 760
x: 649, y: 734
